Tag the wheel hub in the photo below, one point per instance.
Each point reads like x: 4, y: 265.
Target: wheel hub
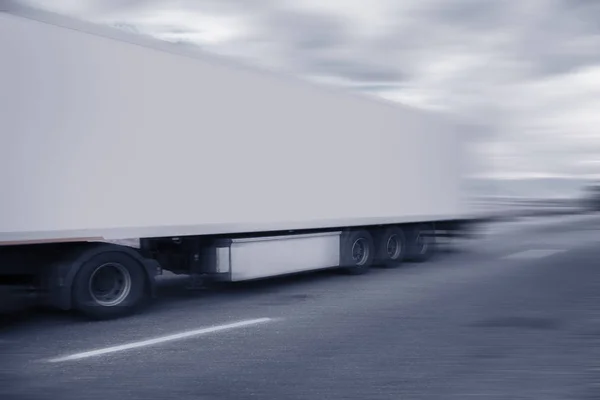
x: 110, y: 284
x: 360, y: 251
x: 393, y: 247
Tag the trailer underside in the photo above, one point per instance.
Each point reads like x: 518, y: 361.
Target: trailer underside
x: 106, y: 280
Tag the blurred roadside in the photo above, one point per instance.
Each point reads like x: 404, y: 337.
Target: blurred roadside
x: 536, y: 197
x: 499, y: 208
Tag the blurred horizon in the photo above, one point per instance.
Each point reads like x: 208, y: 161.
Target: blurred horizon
x: 528, y: 188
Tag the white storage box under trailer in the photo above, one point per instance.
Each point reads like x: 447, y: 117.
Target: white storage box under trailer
x: 223, y: 171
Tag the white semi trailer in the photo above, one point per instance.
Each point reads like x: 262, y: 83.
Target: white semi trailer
x: 219, y: 170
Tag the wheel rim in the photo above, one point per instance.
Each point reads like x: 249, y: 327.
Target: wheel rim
x: 393, y: 247
x: 360, y: 251
x: 110, y: 284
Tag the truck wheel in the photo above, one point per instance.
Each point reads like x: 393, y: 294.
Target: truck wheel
x: 109, y: 285
x: 357, y: 252
x: 391, y: 247
x: 421, y: 243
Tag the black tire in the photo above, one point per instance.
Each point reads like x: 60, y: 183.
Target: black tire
x: 357, y: 252
x: 421, y: 244
x: 391, y: 247
x: 118, y: 268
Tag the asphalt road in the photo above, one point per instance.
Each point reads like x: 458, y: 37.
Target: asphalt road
x: 513, y: 315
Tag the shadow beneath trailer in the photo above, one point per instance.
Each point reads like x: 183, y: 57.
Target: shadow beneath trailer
x: 173, y: 288
x: 36, y: 317
x: 174, y: 291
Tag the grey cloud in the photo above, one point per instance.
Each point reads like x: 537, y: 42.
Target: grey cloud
x: 358, y: 71
x: 126, y: 27
x: 472, y: 14
x: 304, y: 31
x: 586, y: 11
x: 558, y: 64
x: 377, y: 87
x: 319, y: 44
x: 237, y: 6
x: 549, y: 43
x: 363, y: 72
x: 542, y: 39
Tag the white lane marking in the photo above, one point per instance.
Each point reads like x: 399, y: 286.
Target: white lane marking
x: 533, y: 254
x: 163, y: 339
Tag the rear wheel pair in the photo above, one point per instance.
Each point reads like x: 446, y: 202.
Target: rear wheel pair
x: 388, y: 247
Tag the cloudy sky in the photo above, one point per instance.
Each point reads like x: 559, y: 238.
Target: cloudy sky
x: 528, y: 71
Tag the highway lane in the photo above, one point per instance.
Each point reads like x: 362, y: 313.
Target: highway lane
x: 494, y: 321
